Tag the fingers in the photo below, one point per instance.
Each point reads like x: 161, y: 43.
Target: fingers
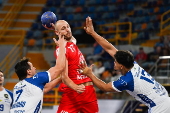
x: 86, y: 21
x: 55, y: 40
x: 52, y: 25
x: 91, y: 66
x: 80, y: 71
x: 51, y: 28
x: 80, y: 88
x: 82, y: 65
x: 90, y: 21
x: 85, y: 28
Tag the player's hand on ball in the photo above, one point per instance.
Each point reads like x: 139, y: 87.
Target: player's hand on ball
x: 48, y: 20
x: 89, y: 26
x: 49, y: 28
x: 80, y: 88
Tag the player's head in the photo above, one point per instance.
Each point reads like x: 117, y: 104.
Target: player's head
x: 123, y: 59
x: 24, y: 69
x: 61, y: 26
x: 1, y: 77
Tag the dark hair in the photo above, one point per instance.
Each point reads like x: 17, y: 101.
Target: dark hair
x: 21, y: 68
x: 1, y: 71
x: 125, y: 58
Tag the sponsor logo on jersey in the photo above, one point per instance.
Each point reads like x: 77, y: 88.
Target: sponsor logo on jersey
x: 6, y: 95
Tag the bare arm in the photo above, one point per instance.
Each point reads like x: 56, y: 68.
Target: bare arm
x: 107, y: 87
x: 69, y: 82
x: 60, y: 61
x: 103, y: 42
x: 49, y: 86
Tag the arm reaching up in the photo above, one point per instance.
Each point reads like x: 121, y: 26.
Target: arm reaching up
x: 103, y: 42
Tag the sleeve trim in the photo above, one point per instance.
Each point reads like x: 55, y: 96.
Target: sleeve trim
x: 115, y: 87
x: 49, y: 76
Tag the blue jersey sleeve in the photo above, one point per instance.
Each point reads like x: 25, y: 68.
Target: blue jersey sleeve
x: 125, y: 82
x: 40, y: 79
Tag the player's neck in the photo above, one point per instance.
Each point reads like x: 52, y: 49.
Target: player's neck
x: 124, y: 71
x: 1, y: 87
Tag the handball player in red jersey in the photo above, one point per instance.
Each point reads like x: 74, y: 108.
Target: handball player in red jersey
x: 72, y: 101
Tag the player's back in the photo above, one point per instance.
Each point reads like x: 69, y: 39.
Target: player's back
x: 147, y: 90
x: 27, y: 98
x: 28, y: 94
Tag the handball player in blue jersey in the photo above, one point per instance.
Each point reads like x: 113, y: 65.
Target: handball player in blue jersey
x: 28, y: 92
x: 135, y: 80
x: 6, y: 96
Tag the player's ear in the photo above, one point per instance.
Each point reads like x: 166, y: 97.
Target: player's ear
x: 121, y: 67
x: 28, y: 71
x: 56, y: 32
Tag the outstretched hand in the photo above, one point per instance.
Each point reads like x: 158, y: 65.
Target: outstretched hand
x: 89, y: 26
x: 84, y: 69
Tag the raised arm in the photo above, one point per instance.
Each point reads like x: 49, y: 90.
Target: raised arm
x: 56, y: 71
x: 60, y: 61
x: 108, y: 47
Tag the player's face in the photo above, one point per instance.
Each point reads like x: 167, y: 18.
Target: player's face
x: 1, y: 78
x: 64, y: 29
x: 117, y: 66
x: 32, y: 70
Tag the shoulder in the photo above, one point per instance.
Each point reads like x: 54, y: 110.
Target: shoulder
x: 9, y: 92
x: 128, y: 77
x: 125, y: 82
x: 38, y: 77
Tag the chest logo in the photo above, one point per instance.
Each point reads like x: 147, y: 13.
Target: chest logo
x: 6, y: 95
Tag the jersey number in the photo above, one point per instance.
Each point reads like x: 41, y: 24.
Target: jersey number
x: 1, y: 107
x: 19, y: 94
x: 145, y: 76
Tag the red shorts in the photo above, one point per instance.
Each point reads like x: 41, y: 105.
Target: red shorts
x: 73, y: 102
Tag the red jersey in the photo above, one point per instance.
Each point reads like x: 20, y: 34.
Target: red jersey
x: 74, y: 57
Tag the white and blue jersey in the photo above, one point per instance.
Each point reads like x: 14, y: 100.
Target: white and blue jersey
x: 6, y: 99
x: 138, y: 83
x: 28, y: 94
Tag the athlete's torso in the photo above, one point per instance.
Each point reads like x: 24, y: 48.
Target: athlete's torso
x: 28, y: 94
x: 138, y: 83
x: 6, y: 98
x: 74, y: 57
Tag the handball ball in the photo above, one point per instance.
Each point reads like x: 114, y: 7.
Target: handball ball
x: 47, y: 18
